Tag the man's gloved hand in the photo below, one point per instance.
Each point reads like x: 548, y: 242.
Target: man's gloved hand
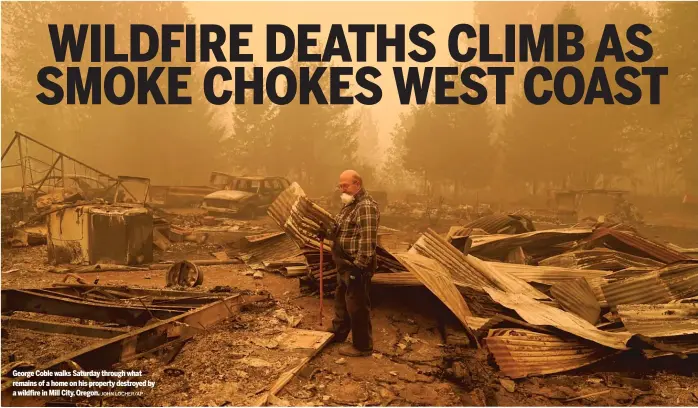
x: 358, y: 274
x: 322, y: 232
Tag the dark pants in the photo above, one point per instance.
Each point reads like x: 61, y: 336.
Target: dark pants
x: 352, y: 307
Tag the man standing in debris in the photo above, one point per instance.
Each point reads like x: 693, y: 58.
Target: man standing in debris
x: 354, y: 253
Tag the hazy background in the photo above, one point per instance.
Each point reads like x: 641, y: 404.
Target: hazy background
x: 459, y: 151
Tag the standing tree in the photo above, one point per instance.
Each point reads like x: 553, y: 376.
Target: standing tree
x: 676, y: 119
x: 451, y: 144
x: 561, y: 143
x: 168, y: 143
x: 26, y: 49
x: 247, y: 146
x: 368, y: 152
x: 312, y: 141
x: 393, y: 174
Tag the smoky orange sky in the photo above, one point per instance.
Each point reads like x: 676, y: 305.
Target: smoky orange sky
x: 441, y: 16
x: 43, y: 121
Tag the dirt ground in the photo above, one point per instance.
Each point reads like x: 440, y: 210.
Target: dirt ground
x: 236, y: 361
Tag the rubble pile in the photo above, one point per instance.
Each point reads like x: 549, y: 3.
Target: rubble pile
x: 541, y: 302
x: 538, y: 302
x: 23, y: 224
x: 568, y: 316
x: 502, y: 224
x: 438, y: 209
x: 625, y: 212
x: 547, y: 216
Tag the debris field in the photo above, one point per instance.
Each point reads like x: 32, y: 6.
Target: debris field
x: 479, y: 308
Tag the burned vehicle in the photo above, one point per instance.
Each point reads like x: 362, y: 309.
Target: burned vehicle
x: 189, y: 196
x: 246, y: 197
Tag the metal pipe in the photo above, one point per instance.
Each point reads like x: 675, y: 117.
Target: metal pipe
x: 7, y: 149
x: 75, y: 160
x: 21, y: 160
x: 322, y: 251
x: 48, y: 173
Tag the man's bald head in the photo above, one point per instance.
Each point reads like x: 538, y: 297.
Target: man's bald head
x: 350, y: 182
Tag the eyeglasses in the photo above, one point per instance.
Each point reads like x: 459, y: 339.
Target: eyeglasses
x: 343, y: 186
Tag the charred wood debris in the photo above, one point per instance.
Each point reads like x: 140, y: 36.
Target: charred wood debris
x: 539, y: 301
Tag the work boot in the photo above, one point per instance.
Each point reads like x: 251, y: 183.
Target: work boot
x: 350, y: 351
x: 336, y: 338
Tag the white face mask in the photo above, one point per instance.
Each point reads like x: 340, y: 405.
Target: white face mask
x: 346, y: 198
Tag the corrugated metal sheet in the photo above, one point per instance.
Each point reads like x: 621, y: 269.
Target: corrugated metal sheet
x: 305, y: 220
x: 411, y: 279
x: 387, y: 261
x: 280, y: 209
x: 263, y: 237
x: 520, y: 353
x: 674, y: 282
x: 469, y: 270
x: 688, y: 344
x: 396, y: 279
x: 457, y: 231
x: 505, y: 322
x: 271, y: 247
x: 476, y: 323
x: 600, y: 259
x: 295, y: 260
x: 437, y: 280
x: 660, y: 320
x: 507, y: 282
x: 596, y: 284
x: 547, y: 275
x: 452, y: 260
x: 531, y: 242
x: 502, y: 224
x: 542, y: 315
x: 631, y: 272
x: 300, y: 218
x: 577, y: 297
x: 628, y: 242
x: 692, y: 252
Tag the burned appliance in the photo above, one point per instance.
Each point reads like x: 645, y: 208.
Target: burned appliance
x: 120, y: 234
